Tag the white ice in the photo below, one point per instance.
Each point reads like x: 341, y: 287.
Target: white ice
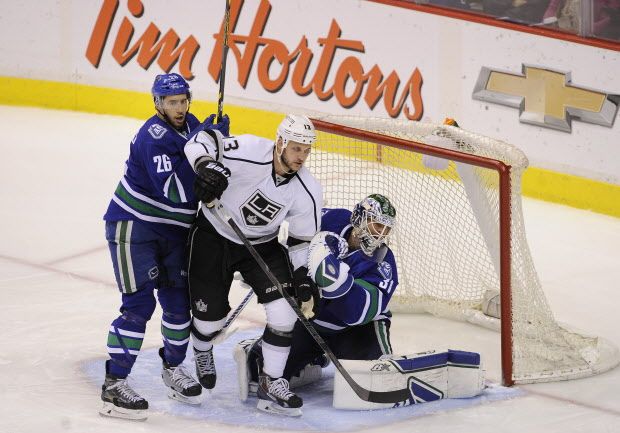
x: 57, y: 298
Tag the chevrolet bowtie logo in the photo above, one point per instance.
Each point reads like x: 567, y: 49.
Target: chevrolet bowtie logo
x: 546, y: 97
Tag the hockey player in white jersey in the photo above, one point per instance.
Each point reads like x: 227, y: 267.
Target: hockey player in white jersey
x: 268, y: 185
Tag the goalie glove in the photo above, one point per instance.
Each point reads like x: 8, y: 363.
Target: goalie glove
x: 211, y: 180
x: 306, y: 292
x: 326, y: 269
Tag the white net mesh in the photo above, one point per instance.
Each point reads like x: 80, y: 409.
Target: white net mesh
x: 447, y: 239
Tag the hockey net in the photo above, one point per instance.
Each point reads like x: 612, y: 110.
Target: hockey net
x: 460, y: 234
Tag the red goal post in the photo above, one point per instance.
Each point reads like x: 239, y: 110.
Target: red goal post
x: 461, y: 193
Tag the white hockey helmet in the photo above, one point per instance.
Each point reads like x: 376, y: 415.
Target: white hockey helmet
x: 296, y: 128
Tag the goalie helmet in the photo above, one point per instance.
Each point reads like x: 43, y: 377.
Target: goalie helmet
x: 296, y: 128
x: 373, y: 220
x: 168, y: 85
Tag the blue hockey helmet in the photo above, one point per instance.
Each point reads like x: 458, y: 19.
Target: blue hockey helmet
x: 168, y: 85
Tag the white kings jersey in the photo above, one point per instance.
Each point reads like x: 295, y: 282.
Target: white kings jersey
x: 257, y: 199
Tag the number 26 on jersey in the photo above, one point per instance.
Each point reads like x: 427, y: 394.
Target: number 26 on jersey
x: 163, y: 163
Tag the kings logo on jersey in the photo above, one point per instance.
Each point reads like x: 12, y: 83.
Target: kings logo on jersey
x: 258, y: 210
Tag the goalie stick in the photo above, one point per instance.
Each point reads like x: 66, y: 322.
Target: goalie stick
x: 395, y: 396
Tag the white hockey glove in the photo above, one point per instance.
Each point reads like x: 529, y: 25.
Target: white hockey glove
x: 325, y: 267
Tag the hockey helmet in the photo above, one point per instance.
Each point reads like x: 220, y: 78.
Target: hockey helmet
x: 168, y: 85
x: 296, y: 128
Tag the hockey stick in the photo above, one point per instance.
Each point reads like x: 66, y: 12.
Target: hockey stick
x: 364, y: 394
x: 220, y: 95
x: 224, y: 333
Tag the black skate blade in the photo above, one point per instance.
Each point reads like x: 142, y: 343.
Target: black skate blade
x: 111, y: 411
x: 274, y: 408
x: 193, y: 400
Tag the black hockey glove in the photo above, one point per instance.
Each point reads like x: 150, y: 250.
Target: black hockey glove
x: 306, y: 292
x: 211, y: 180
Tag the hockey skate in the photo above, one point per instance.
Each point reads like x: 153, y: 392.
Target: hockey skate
x: 205, y: 368
x: 247, y: 361
x: 274, y: 396
x: 120, y: 401
x: 181, y: 385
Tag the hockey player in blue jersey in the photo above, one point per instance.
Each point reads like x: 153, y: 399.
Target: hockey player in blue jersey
x: 355, y: 271
x: 147, y: 225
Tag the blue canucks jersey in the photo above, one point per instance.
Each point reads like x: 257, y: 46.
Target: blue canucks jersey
x: 157, y: 186
x: 373, y: 283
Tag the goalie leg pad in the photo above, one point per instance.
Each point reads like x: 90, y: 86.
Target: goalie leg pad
x: 428, y: 376
x: 465, y: 374
x: 244, y: 359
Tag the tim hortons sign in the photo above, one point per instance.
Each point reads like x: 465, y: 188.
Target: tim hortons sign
x: 268, y: 60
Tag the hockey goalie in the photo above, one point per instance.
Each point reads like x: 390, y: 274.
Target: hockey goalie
x: 355, y: 274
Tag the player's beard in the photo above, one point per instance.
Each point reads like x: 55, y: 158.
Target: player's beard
x: 286, y: 165
x: 173, y: 122
x: 177, y: 121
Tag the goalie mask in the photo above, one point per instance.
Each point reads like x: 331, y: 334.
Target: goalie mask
x: 373, y: 220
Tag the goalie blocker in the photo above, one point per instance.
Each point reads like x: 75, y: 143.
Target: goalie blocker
x: 429, y: 376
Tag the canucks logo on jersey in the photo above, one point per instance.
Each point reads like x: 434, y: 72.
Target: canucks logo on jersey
x: 157, y: 131
x: 385, y: 269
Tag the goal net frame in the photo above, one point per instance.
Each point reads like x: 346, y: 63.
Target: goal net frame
x: 333, y: 125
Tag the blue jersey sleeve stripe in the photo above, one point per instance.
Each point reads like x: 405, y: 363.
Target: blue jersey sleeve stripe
x: 374, y: 296
x: 180, y: 188
x: 125, y: 207
x: 125, y: 185
x: 381, y: 331
x: 171, y: 191
x: 145, y: 208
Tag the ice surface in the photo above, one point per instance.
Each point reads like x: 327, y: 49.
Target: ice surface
x: 58, y: 297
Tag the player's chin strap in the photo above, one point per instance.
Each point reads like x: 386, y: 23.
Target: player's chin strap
x: 395, y: 396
